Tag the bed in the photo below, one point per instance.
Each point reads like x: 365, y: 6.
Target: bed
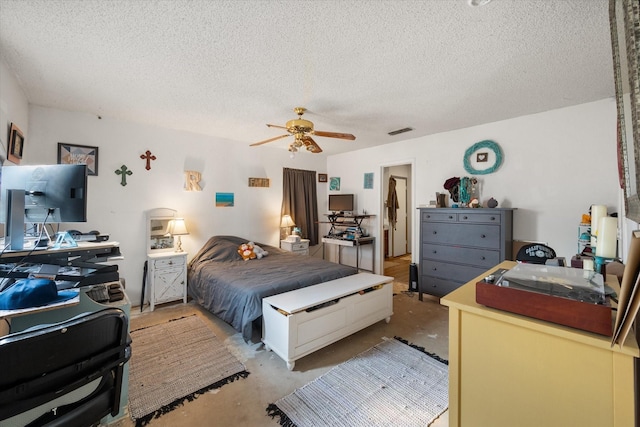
x: 232, y: 288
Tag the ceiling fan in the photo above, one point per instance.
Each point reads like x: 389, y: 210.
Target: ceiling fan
x: 302, y: 130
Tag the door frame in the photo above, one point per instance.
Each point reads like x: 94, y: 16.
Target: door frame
x: 406, y: 222
x: 411, y: 211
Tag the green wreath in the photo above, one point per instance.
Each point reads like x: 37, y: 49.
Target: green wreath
x: 475, y: 147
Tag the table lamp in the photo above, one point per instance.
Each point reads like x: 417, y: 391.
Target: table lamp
x: 287, y: 222
x: 177, y: 227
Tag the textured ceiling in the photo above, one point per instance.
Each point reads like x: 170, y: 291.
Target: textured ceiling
x: 226, y: 68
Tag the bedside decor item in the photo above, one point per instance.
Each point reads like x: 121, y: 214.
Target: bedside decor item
x: 494, y: 151
x: 123, y: 172
x: 192, y: 179
x: 334, y: 184
x: 16, y: 144
x: 177, y: 227
x: 72, y: 154
x: 287, y: 223
x: 322, y: 177
x: 147, y: 156
x: 624, y: 17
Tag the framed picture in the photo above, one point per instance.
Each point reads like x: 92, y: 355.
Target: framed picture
x: 322, y: 177
x: 16, y: 144
x: 224, y: 200
x: 72, y: 154
x: 334, y: 184
x: 368, y: 180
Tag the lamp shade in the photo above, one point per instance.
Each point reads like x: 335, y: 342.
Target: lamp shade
x: 177, y: 227
x: 287, y: 221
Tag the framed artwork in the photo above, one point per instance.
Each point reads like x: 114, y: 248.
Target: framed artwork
x: 322, y: 177
x: 224, y: 200
x: 71, y: 154
x: 16, y: 144
x: 368, y: 181
x: 334, y: 183
x: 482, y: 157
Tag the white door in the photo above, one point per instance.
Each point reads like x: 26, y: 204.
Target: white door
x: 399, y: 239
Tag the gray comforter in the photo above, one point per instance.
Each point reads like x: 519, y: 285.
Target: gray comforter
x: 232, y: 289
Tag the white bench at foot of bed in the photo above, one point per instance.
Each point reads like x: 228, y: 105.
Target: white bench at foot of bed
x: 299, y: 322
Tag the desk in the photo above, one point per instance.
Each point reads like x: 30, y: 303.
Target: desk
x: 351, y: 243
x: 511, y: 370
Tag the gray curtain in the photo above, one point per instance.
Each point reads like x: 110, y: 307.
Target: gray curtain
x: 300, y: 200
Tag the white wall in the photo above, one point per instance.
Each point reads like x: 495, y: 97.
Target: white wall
x: 14, y: 108
x: 556, y: 164
x: 120, y: 210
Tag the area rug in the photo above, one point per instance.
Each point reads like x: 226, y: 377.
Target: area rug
x: 391, y: 384
x: 173, y: 362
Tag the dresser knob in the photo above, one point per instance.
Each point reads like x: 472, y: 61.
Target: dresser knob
x: 450, y: 216
x: 482, y: 258
x: 435, y: 252
x: 465, y: 217
x: 493, y: 218
x: 435, y: 232
x: 483, y: 236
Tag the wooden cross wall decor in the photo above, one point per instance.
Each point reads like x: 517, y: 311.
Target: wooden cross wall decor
x: 148, y: 157
x: 123, y: 171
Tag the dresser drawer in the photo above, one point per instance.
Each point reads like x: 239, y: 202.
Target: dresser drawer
x: 477, y: 235
x: 437, y: 286
x: 169, y: 262
x: 454, y: 272
x: 479, y: 257
x: 439, y: 216
x: 479, y: 218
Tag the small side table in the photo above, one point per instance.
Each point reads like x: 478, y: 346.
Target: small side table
x: 167, y: 277
x: 300, y: 248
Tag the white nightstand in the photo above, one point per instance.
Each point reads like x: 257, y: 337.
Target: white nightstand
x: 167, y: 277
x: 300, y: 248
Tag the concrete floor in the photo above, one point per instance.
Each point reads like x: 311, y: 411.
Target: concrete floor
x: 244, y: 402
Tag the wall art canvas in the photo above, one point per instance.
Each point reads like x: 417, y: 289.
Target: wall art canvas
x: 334, y: 183
x: 368, y: 180
x: 72, y: 154
x: 224, y: 200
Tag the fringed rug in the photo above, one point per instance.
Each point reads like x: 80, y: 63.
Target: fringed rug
x: 391, y: 384
x: 173, y: 362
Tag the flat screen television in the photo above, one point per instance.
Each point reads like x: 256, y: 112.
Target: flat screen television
x: 33, y: 194
x: 341, y: 203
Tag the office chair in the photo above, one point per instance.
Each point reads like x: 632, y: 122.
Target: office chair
x: 64, y: 374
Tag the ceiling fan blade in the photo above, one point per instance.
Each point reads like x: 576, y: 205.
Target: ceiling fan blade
x: 276, y: 126
x: 269, y: 140
x: 311, y: 144
x: 334, y: 135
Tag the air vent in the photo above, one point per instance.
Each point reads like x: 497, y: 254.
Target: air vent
x: 399, y: 131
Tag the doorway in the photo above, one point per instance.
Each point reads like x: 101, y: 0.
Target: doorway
x: 397, y: 247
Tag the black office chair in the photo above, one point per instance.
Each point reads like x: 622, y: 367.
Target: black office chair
x: 65, y: 374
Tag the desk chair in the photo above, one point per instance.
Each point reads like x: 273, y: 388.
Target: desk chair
x: 65, y: 374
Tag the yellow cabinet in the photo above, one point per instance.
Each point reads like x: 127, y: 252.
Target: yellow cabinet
x: 510, y: 370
